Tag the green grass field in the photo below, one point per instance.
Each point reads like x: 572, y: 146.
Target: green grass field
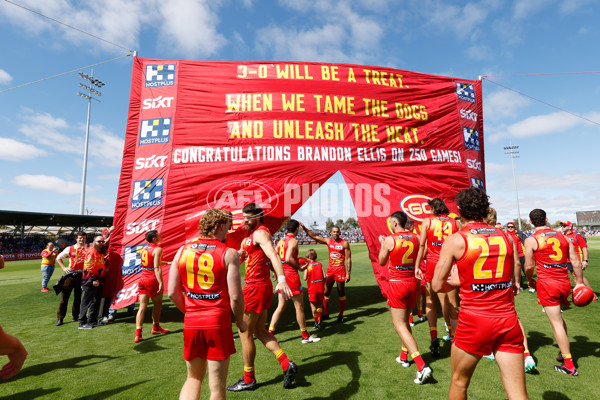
x: 353, y: 360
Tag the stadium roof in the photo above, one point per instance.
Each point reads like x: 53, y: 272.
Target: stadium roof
x: 12, y: 222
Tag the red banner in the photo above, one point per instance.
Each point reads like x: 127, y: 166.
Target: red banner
x: 206, y: 134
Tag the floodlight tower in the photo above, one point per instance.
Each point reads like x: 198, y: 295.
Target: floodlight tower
x: 91, y: 91
x: 513, y: 152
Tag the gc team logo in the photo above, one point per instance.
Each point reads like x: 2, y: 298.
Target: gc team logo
x: 132, y: 261
x: 159, y: 75
x: 234, y: 195
x: 471, y: 138
x: 465, y: 92
x: 147, y: 193
x: 476, y: 182
x: 416, y: 206
x: 154, y: 131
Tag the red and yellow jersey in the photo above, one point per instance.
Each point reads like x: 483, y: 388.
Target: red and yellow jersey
x: 93, y: 265
x: 486, y: 271
x: 578, y: 241
x: 403, y: 256
x: 203, y: 275
x: 518, y: 243
x: 315, y: 279
x: 282, y: 248
x: 337, y: 253
x: 148, y: 262
x: 258, y: 264
x: 77, y: 257
x: 440, y: 228
x: 49, y: 257
x: 552, y: 255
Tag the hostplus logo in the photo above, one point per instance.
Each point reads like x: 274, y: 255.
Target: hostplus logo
x: 159, y: 75
x: 132, y: 260
x: 147, y: 193
x: 471, y: 138
x: 476, y: 182
x: 153, y: 131
x: 465, y: 92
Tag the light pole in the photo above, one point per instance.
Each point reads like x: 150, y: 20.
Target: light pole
x: 513, y: 152
x: 90, y: 89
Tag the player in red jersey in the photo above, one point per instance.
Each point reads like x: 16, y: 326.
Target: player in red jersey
x: 92, y: 279
x: 399, y: 253
x: 287, y: 249
x: 489, y: 274
x: 549, y: 251
x: 150, y: 285
x: 72, y: 281
x: 581, y: 247
x: 434, y: 230
x: 258, y: 293
x: 340, y: 257
x: 315, y: 282
x: 209, y: 274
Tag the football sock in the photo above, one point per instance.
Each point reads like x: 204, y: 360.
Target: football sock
x: 249, y: 374
x: 410, y: 319
x: 420, y: 312
x: 342, y: 305
x: 450, y: 331
x: 568, y: 361
x: 433, y: 332
x: 155, y: 326
x: 305, y: 334
x: 271, y: 329
x: 404, y: 354
x: 318, y: 314
x: 138, y: 331
x: 416, y: 356
x: 283, y: 360
x: 526, y: 353
x: 326, y: 305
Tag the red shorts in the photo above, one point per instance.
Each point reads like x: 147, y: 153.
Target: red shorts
x: 337, y: 274
x: 257, y: 298
x: 316, y: 296
x: 403, y: 294
x: 423, y: 286
x: 293, y: 281
x: 483, y: 335
x: 553, y: 292
x: 148, y: 286
x: 429, y: 270
x: 209, y: 344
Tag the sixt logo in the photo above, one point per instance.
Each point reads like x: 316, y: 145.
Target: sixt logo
x: 128, y: 293
x: 468, y: 114
x: 154, y: 131
x: 134, y: 228
x: 465, y: 92
x: 416, y: 206
x: 153, y: 161
x: 159, y: 75
x: 474, y: 164
x: 471, y: 138
x: 159, y: 102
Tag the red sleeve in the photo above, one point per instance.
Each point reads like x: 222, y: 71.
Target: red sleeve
x: 581, y: 241
x: 45, y: 253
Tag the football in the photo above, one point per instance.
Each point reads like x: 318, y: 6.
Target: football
x: 302, y: 261
x: 583, y: 296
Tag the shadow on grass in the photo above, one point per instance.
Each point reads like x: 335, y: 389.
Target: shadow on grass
x: 68, y: 363
x: 536, y: 340
x: 582, y: 347
x: 109, y: 393
x: 150, y: 344
x: 551, y: 395
x: 321, y: 364
x: 30, y: 394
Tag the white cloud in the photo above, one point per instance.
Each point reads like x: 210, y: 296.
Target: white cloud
x: 47, y: 130
x: 47, y: 183
x: 502, y: 104
x: 525, y: 8
x: 5, y: 77
x: 463, y: 21
x: 542, y: 125
x: 106, y: 146
x: 492, y: 168
x: 13, y: 150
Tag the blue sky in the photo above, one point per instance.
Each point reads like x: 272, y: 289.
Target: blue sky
x: 43, y: 124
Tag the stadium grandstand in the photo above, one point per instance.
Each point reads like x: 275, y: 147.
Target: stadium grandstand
x: 589, y: 220
x: 23, y: 235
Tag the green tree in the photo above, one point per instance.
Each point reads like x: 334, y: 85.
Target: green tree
x: 525, y: 225
x: 351, y: 223
x: 340, y: 223
x: 329, y: 224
